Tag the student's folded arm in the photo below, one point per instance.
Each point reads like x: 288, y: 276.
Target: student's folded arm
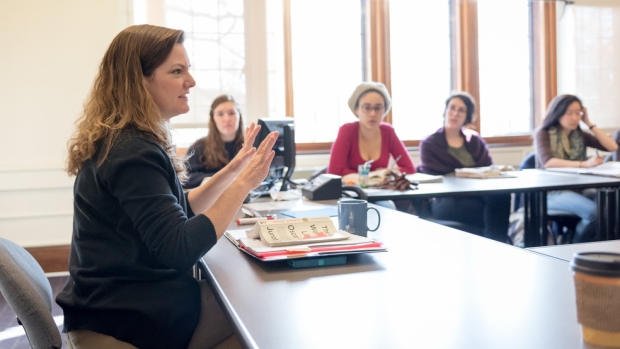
x: 143, y: 183
x: 484, y: 157
x: 430, y: 159
x: 556, y: 162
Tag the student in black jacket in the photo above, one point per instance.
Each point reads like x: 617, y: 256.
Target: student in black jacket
x: 136, y: 234
x: 210, y: 154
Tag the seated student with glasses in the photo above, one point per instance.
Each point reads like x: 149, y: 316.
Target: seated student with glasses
x: 560, y: 142
x: 369, y: 138
x: 455, y: 146
x: 210, y: 154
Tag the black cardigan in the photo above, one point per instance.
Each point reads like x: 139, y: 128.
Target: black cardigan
x: 134, y: 241
x: 197, y: 172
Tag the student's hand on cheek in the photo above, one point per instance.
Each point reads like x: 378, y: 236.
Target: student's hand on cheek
x: 585, y: 117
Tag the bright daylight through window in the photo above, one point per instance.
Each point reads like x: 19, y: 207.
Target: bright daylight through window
x: 504, y: 67
x: 420, y: 59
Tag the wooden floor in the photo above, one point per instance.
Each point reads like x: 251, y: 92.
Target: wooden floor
x: 12, y: 335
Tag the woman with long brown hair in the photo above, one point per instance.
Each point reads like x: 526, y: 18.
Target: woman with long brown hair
x: 560, y: 142
x: 210, y: 154
x: 136, y: 234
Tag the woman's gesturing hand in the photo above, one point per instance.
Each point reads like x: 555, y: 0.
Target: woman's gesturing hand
x: 257, y: 168
x: 245, y: 153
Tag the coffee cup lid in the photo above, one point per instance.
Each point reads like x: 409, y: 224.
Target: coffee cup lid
x: 596, y: 263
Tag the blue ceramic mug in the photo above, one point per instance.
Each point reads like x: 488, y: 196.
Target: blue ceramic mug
x: 353, y: 216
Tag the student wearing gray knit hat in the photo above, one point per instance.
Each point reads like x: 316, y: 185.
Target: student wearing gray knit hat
x: 370, y: 86
x: 369, y: 138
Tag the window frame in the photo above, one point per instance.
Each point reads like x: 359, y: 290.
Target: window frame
x: 464, y: 32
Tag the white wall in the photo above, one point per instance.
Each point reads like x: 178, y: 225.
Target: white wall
x: 50, y: 54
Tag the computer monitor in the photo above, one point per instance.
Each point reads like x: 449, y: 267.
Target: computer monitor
x: 284, y: 159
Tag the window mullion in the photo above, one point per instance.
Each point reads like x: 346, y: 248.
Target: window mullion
x: 288, y: 59
x: 466, y: 51
x: 379, y: 44
x: 544, y: 66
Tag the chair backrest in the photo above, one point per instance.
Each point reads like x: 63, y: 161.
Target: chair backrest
x: 528, y: 162
x: 29, y: 293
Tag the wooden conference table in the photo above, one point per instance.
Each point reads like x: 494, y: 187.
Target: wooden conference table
x: 566, y: 252
x: 534, y: 184
x: 436, y: 287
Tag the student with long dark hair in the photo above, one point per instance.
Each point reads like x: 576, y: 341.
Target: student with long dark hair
x: 210, y: 154
x: 560, y: 142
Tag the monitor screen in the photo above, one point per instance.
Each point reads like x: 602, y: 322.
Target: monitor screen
x: 283, y: 163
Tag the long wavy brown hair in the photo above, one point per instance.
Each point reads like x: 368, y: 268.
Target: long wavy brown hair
x: 215, y: 154
x: 119, y: 99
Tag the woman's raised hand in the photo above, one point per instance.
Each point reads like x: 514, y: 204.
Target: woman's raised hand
x: 245, y: 153
x: 257, y: 168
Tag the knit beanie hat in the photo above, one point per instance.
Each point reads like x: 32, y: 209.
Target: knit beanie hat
x: 370, y: 85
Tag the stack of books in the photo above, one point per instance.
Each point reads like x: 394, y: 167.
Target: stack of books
x: 424, y: 178
x: 281, y: 239
x: 493, y: 171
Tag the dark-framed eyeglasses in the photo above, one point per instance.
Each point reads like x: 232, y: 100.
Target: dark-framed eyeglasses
x: 379, y: 109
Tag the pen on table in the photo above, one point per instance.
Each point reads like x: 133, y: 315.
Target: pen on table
x: 597, y: 153
x: 252, y: 220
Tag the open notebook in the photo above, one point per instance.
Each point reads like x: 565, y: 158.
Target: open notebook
x: 608, y: 169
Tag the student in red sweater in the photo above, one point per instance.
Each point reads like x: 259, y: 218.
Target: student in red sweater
x: 369, y: 138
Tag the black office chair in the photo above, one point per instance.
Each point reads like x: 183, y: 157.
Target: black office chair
x: 561, y: 223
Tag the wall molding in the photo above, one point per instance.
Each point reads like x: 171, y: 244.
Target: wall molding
x: 36, y: 215
x: 39, y: 178
x: 51, y: 258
